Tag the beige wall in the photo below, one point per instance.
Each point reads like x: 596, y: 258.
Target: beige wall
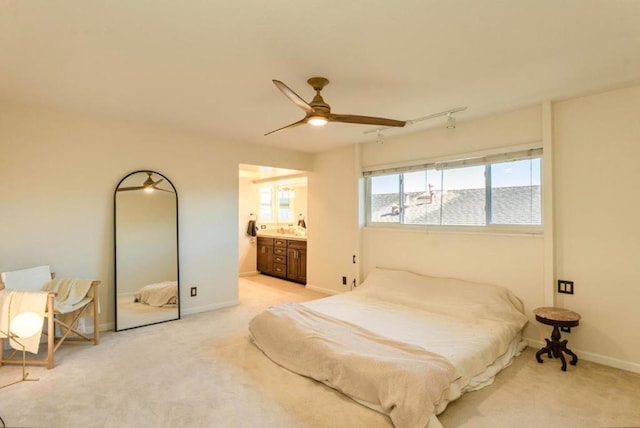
x: 332, y: 236
x: 58, y: 173
x: 510, y: 260
x: 507, y: 129
x: 595, y: 241
x: 248, y: 202
x: 597, y: 201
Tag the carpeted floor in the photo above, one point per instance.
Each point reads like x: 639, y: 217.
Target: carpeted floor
x: 202, y: 371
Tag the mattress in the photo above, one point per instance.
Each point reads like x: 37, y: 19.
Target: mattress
x: 159, y: 294
x: 475, y: 327
x: 472, y: 346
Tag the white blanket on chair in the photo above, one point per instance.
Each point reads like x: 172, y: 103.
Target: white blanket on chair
x: 71, y: 294
x: 14, y: 302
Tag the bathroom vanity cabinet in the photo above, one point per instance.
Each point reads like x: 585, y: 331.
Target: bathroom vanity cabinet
x: 283, y: 258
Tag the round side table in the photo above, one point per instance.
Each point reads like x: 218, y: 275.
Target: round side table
x: 557, y: 317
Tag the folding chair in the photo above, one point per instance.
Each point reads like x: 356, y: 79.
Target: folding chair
x: 65, y: 317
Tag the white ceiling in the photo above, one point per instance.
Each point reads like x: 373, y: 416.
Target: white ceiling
x: 207, y: 65
x: 258, y: 173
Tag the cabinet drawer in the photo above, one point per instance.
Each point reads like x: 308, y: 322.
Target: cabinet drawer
x: 278, y: 242
x: 279, y: 259
x: 279, y: 250
x: 302, y: 245
x: 265, y: 241
x: 280, y: 269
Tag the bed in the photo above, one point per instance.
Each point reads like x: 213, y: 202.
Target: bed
x: 159, y: 294
x: 401, y: 343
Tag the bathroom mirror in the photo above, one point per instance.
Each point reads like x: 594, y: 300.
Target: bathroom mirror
x: 147, y: 282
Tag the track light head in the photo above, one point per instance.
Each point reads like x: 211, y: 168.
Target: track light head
x: 451, y: 121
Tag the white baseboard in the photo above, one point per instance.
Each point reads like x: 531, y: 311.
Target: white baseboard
x: 608, y: 361
x: 594, y: 358
x: 250, y: 273
x: 108, y: 326
x: 205, y: 308
x: 322, y: 290
x: 111, y: 326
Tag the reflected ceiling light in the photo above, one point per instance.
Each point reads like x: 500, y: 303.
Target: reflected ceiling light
x: 149, y: 184
x: 451, y: 121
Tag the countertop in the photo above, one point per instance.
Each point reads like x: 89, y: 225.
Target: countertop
x: 289, y: 236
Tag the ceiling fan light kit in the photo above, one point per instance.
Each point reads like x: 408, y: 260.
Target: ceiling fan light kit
x: 318, y: 112
x: 317, y: 121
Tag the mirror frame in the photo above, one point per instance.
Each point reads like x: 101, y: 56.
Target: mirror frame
x: 115, y: 249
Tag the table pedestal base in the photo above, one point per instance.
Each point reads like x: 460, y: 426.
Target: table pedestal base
x: 556, y: 348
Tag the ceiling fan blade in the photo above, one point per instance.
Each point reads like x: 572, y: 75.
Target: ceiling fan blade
x: 124, y: 189
x: 365, y: 120
x: 300, y: 122
x: 293, y: 96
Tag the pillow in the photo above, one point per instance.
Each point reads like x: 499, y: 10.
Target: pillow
x: 461, y: 299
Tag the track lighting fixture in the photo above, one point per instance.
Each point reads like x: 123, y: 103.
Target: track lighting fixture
x: 451, y: 121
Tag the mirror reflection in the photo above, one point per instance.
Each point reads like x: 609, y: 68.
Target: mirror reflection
x: 146, y: 250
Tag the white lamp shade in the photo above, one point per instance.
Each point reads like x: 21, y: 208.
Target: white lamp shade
x: 26, y: 324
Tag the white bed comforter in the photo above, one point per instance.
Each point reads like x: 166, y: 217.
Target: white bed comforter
x: 475, y: 327
x: 159, y: 294
x: 396, y: 376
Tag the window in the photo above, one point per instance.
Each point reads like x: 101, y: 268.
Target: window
x: 285, y: 202
x: 493, y: 190
x: 266, y: 213
x: 276, y: 203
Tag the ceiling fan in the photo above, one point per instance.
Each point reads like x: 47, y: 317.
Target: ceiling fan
x: 148, y: 186
x: 318, y: 112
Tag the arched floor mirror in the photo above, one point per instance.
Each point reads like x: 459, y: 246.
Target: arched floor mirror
x: 147, y: 286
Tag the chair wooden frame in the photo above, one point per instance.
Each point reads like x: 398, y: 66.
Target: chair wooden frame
x: 53, y: 341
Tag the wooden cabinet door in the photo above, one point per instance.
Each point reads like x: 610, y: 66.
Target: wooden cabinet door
x: 302, y: 266
x: 292, y: 264
x: 297, y: 265
x: 265, y: 258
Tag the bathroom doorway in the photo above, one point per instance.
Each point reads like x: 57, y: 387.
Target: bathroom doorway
x: 271, y: 201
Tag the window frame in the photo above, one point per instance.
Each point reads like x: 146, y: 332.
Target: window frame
x: 487, y: 160
x: 275, y: 189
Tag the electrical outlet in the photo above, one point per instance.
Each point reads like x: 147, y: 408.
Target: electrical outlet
x: 194, y: 291
x: 565, y: 287
x: 344, y: 280
x: 565, y: 329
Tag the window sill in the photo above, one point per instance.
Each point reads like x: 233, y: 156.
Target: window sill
x: 503, y: 230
